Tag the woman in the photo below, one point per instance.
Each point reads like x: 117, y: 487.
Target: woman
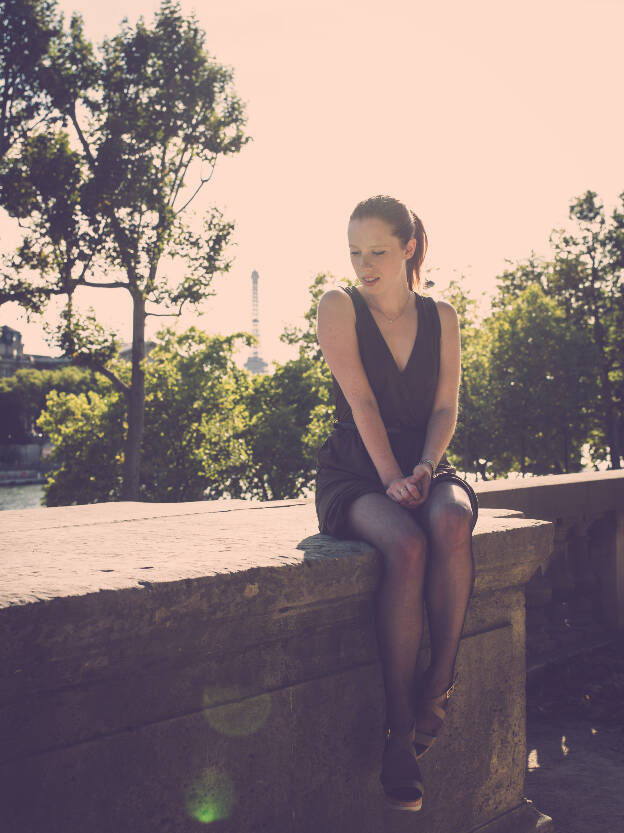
x: 382, y: 474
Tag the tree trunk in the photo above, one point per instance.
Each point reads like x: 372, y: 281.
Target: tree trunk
x: 136, y: 404
x: 611, y: 425
x: 612, y: 434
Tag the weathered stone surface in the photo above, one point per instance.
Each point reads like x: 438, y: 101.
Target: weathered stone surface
x: 245, y: 662
x: 586, y: 569
x: 301, y: 758
x: 586, y: 494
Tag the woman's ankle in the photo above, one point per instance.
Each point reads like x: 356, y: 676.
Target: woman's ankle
x: 436, y: 683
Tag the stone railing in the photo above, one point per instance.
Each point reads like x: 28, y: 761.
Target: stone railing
x: 169, y: 665
x: 577, y: 598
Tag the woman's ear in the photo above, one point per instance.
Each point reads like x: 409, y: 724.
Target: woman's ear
x: 410, y: 249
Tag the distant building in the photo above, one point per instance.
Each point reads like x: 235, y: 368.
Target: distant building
x: 125, y: 351
x: 13, y: 358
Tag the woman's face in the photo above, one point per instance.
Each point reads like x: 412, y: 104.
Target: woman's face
x: 377, y: 255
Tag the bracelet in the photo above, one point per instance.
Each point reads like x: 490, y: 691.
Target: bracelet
x: 430, y: 462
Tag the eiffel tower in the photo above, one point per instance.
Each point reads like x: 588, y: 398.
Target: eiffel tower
x: 255, y: 364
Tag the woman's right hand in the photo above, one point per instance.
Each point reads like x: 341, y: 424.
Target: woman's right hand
x: 404, y: 490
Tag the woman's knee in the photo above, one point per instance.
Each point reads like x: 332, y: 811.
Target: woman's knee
x: 451, y: 523
x: 407, y: 554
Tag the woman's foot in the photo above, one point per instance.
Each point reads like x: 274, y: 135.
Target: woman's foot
x: 400, y: 775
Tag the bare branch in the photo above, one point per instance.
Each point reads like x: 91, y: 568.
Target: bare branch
x: 111, y: 285
x: 167, y: 314
x: 100, y: 368
x: 202, y: 182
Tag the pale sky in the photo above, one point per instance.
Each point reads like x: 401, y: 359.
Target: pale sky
x: 487, y: 118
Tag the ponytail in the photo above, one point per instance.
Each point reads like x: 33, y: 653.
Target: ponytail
x: 412, y: 267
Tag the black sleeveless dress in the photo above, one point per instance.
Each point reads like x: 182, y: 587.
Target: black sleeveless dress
x: 405, y: 398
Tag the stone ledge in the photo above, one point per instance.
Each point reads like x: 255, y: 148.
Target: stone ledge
x: 557, y: 495
x: 56, y: 553
x: 121, y: 691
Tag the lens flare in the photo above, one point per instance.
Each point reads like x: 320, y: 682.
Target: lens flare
x: 211, y: 796
x: 242, y: 715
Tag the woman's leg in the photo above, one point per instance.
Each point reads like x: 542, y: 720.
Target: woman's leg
x: 446, y: 517
x: 395, y: 532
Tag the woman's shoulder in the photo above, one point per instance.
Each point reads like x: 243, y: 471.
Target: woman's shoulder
x: 441, y: 315
x: 338, y: 295
x: 337, y: 301
x: 446, y: 311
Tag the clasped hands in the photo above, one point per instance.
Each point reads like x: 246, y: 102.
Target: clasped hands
x: 412, y: 490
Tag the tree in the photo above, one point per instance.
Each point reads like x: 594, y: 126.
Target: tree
x: 586, y: 279
x: 26, y: 29
x: 196, y: 417
x: 23, y: 397
x: 148, y: 113
x: 541, y: 380
x: 194, y: 428
x: 280, y: 410
x: 86, y: 431
x: 477, y: 424
x: 589, y: 274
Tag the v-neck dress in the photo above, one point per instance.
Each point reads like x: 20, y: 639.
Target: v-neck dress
x: 405, y: 398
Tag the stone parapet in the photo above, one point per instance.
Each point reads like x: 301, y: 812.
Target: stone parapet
x: 168, y: 665
x: 579, y: 594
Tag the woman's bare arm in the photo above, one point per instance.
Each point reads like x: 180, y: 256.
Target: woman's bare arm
x: 338, y: 341
x: 441, y: 425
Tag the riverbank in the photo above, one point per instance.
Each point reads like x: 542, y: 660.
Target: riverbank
x: 22, y: 496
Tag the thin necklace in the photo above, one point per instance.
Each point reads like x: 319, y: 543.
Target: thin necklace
x: 396, y: 318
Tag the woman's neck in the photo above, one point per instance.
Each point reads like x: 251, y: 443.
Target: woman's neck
x: 392, y: 304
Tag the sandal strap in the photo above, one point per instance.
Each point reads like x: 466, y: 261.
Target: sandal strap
x: 434, y: 707
x: 423, y: 738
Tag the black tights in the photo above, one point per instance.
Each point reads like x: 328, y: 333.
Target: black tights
x: 427, y: 561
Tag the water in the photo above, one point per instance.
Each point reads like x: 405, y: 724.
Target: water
x: 21, y: 497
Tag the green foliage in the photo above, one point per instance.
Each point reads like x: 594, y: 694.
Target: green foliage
x: 26, y: 29
x: 282, y: 443
x: 529, y: 380
x: 211, y: 429
x: 195, y: 420
x: 43, y: 188
x: 140, y: 119
x: 476, y: 422
x: 23, y: 397
x: 541, y: 382
x: 586, y: 281
x: 86, y: 431
x: 195, y: 417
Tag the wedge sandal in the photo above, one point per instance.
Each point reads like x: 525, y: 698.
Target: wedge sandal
x: 400, y: 777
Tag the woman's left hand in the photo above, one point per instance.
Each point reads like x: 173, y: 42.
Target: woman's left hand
x: 422, y: 475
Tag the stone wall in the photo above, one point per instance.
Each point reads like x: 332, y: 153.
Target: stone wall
x: 20, y: 456
x: 577, y: 599
x: 166, y: 666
